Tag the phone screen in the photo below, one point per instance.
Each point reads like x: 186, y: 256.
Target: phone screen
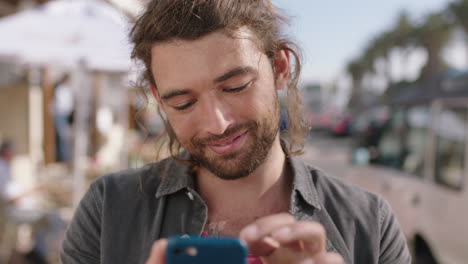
x: 201, y: 250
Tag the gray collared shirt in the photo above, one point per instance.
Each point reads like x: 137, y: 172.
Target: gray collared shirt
x: 122, y: 214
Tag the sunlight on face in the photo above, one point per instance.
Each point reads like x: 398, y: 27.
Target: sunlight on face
x: 219, y: 95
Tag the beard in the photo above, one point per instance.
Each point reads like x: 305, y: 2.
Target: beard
x: 261, y: 135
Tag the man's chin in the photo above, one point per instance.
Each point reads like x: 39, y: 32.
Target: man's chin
x: 229, y: 175
x: 231, y: 157
x: 227, y: 167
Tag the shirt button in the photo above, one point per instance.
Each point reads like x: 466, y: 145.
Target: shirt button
x: 190, y: 195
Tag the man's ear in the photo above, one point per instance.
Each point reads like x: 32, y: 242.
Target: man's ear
x: 281, y: 66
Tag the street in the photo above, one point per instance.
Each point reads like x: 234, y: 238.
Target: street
x: 331, y: 154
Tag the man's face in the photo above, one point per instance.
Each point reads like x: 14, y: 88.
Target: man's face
x: 219, y: 95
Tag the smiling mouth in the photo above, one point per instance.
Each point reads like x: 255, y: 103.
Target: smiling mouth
x: 229, y: 142
x: 228, y: 146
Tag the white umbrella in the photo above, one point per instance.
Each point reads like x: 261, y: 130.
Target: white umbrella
x: 76, y: 34
x: 65, y: 32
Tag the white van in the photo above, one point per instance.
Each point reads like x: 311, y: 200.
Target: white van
x: 421, y: 168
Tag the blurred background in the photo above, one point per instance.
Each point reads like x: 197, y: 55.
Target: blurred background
x: 385, y: 85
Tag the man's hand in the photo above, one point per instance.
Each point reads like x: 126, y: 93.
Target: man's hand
x: 279, y: 239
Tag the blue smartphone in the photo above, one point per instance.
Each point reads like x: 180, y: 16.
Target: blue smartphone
x: 205, y: 250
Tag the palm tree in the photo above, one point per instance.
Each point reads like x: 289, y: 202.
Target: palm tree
x: 383, y: 46
x: 402, y: 30
x: 403, y: 37
x: 433, y: 35
x: 356, y: 70
x: 459, y: 9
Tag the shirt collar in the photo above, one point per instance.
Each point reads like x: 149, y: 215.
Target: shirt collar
x: 303, y: 183
x: 177, y: 176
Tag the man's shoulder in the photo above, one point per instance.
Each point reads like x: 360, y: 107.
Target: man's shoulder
x: 350, y: 214
x: 145, y: 179
x: 339, y: 191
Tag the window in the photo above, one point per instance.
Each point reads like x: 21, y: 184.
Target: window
x: 415, y: 140
x: 404, y: 140
x: 450, y: 130
x: 391, y: 148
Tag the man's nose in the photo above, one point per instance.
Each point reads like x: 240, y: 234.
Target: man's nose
x: 216, y: 117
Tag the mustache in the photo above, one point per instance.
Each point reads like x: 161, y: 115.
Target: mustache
x: 229, y: 132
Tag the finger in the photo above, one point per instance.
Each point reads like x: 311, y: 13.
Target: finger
x: 158, y: 252
x: 263, y: 247
x: 284, y: 255
x: 311, y: 234
x: 329, y: 258
x: 257, y: 234
x: 264, y: 226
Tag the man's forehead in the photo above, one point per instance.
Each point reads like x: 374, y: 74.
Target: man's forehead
x: 241, y: 33
x: 181, y: 61
x: 240, y: 40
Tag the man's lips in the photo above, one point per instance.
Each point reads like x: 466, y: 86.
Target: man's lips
x: 228, y: 144
x: 227, y: 139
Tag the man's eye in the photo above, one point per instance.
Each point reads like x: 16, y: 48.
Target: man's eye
x: 237, y: 89
x: 184, y: 106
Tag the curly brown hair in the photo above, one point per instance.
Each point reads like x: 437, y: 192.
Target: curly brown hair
x: 166, y: 20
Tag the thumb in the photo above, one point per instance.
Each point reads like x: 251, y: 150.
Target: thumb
x: 158, y: 252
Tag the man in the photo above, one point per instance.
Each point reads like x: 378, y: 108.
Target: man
x: 215, y: 68
x: 6, y: 156
x: 63, y: 110
x: 14, y: 207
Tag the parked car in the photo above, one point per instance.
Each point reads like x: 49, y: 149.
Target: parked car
x: 421, y: 168
x: 341, y: 126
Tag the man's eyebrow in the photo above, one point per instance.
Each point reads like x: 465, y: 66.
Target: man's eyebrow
x: 169, y: 95
x: 234, y: 72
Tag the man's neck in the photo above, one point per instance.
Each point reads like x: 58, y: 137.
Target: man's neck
x: 267, y: 189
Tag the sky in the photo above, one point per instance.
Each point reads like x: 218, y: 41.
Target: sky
x: 333, y: 32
